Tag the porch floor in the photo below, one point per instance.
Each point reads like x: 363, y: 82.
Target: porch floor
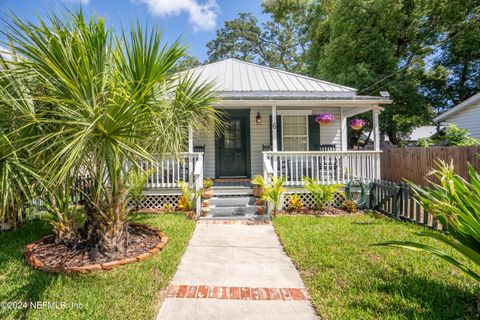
x: 227, y: 182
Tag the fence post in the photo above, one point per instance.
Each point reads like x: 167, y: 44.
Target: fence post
x: 399, y: 200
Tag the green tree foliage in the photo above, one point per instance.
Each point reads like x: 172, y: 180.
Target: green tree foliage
x: 456, y: 136
x: 279, y: 44
x: 424, y: 53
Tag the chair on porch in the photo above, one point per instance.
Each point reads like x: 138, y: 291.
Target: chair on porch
x: 326, y: 164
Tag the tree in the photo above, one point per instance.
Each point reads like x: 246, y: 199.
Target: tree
x: 186, y: 62
x: 279, y: 44
x: 425, y: 53
x: 100, y: 104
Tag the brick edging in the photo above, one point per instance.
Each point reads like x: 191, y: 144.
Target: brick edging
x: 36, y: 263
x: 236, y: 293
x: 249, y: 223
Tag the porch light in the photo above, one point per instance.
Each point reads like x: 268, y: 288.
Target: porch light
x: 258, y: 120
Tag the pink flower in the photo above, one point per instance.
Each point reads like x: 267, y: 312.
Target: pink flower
x: 324, y: 117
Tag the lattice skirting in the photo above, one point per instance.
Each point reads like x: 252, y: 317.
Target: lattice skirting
x: 158, y: 201
x: 308, y: 201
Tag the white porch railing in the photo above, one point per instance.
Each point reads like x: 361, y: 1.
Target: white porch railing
x: 328, y: 167
x: 169, y: 170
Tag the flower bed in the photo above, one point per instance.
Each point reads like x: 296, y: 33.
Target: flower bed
x: 327, y: 211
x: 46, y: 255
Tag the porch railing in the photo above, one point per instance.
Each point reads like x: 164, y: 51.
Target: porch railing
x: 169, y: 170
x: 328, y: 167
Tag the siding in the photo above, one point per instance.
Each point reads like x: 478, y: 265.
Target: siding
x: 260, y: 134
x: 468, y: 118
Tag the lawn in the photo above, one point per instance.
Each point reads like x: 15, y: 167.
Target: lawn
x: 129, y: 292
x: 348, y: 279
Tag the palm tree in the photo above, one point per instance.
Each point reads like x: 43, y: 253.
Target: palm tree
x: 102, y: 103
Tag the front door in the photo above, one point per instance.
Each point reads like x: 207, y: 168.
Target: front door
x: 231, y: 156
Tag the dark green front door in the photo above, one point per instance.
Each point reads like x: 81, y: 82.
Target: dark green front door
x: 232, y: 146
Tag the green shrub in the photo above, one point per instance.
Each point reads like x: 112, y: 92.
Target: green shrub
x: 459, y: 137
x: 188, y: 200
x: 273, y: 191
x: 424, y: 142
x: 322, y: 193
x: 349, y: 206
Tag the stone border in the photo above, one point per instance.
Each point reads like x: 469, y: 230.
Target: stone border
x: 236, y: 293
x: 36, y: 263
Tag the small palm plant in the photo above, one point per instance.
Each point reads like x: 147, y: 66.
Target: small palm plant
x: 322, y: 193
x: 188, y: 199
x: 455, y: 202
x: 272, y: 192
x: 136, y: 181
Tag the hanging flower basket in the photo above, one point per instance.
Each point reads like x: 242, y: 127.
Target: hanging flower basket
x: 324, y: 118
x: 357, y: 124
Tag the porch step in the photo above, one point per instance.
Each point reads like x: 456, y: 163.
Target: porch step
x: 232, y: 191
x: 233, y: 201
x: 232, y: 211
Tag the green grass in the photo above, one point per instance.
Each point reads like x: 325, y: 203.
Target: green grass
x: 348, y: 279
x: 129, y: 292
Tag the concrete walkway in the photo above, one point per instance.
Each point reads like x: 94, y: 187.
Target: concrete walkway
x: 236, y: 271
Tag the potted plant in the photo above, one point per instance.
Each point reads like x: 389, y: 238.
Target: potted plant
x: 357, y: 123
x: 324, y: 118
x: 260, y: 210
x: 258, y: 186
x: 207, y: 188
x: 205, y: 208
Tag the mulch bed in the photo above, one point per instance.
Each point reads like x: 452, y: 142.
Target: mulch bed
x: 327, y: 211
x: 45, y: 254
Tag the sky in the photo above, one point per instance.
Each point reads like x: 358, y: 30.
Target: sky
x: 195, y: 21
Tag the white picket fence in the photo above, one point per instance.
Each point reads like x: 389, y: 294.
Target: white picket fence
x: 328, y: 167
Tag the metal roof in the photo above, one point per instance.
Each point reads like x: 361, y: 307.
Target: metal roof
x: 236, y: 79
x: 470, y: 101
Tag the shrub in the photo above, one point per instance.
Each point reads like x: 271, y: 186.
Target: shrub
x: 349, y: 206
x: 273, y: 191
x: 424, y: 142
x: 295, y: 203
x: 455, y: 203
x: 459, y: 137
x: 322, y: 194
x: 188, y: 200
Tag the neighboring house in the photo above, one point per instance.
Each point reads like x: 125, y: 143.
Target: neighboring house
x: 271, y: 130
x: 465, y: 115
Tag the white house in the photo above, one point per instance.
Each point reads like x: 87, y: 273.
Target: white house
x: 465, y: 115
x: 271, y: 130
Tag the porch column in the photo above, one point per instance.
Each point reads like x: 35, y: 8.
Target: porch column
x: 274, y: 138
x: 274, y: 127
x: 344, y: 131
x: 376, y: 128
x: 376, y: 137
x: 190, y: 139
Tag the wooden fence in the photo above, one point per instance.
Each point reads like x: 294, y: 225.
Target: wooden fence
x: 396, y: 200
x: 413, y: 164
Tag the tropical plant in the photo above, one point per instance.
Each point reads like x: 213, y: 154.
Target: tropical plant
x: 97, y: 102
x: 271, y: 192
x: 295, y: 203
x: 456, y: 136
x: 136, y: 182
x: 18, y: 175
x: 321, y: 193
x: 455, y: 202
x: 207, y: 183
x: 188, y: 199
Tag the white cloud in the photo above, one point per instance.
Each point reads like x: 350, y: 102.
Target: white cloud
x: 5, y: 53
x: 203, y: 16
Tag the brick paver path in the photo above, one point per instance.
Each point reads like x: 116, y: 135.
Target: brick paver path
x: 236, y: 271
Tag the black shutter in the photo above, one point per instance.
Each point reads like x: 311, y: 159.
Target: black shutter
x: 313, y: 134
x: 279, y: 133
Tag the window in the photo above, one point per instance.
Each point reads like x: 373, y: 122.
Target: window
x: 294, y: 133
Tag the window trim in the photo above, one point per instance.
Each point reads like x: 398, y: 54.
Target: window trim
x: 307, y: 135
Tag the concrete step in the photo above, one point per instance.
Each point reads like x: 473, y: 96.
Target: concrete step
x: 232, y: 211
x: 232, y: 191
x: 232, y: 201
